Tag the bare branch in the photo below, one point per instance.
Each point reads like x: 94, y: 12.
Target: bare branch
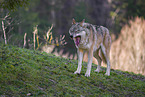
x: 6, y: 16
x: 10, y: 30
x: 9, y: 38
x: 4, y: 32
x: 24, y: 40
x: 34, y: 33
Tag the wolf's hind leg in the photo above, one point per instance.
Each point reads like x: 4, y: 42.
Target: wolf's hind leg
x: 80, y: 58
x: 96, y: 55
x: 105, y: 56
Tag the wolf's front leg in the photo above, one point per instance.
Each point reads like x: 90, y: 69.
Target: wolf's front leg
x: 80, y: 58
x: 89, y: 65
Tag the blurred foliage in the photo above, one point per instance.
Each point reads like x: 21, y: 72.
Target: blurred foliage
x: 113, y: 14
x: 79, y: 13
x: 13, y: 4
x: 125, y: 10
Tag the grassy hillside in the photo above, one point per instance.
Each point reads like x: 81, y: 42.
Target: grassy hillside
x: 32, y: 73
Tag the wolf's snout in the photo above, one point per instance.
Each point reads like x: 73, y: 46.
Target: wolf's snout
x: 71, y: 36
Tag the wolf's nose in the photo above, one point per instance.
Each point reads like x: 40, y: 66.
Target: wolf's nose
x: 71, y: 36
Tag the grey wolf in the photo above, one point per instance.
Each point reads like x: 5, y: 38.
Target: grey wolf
x: 95, y: 41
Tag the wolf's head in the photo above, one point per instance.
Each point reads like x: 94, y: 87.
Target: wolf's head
x: 78, y: 32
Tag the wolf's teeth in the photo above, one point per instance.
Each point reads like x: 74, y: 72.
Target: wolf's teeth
x: 77, y: 40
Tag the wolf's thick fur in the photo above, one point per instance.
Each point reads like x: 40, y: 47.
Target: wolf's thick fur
x: 93, y: 40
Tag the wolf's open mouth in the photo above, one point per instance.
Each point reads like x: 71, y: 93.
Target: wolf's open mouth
x: 77, y: 40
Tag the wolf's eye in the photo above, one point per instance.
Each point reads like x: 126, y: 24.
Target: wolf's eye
x: 77, y: 31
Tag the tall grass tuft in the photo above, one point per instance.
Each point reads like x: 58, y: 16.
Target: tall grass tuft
x: 128, y: 51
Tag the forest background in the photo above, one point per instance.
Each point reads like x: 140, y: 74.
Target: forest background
x: 124, y: 19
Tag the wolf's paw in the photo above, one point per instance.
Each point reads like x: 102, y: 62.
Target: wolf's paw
x: 97, y: 70
x: 87, y: 74
x: 76, y: 72
x: 108, y: 74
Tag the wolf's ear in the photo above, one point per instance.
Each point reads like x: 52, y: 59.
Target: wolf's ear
x: 73, y: 22
x: 81, y: 23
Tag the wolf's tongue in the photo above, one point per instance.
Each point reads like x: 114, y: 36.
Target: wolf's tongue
x: 77, y: 40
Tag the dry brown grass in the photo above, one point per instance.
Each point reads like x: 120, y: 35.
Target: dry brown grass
x: 128, y: 51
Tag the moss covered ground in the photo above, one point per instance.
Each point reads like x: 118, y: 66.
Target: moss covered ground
x: 33, y: 73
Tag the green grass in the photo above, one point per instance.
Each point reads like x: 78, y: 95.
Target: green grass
x: 27, y: 72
